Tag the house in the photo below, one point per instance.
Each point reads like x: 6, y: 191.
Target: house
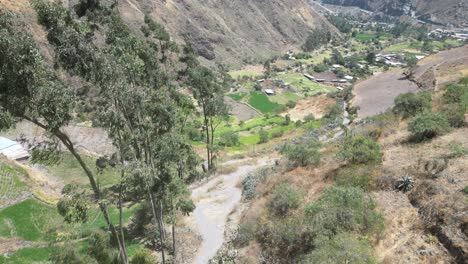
x: 269, y: 91
x: 349, y: 77
x: 336, y: 66
x: 310, y: 77
x: 12, y: 149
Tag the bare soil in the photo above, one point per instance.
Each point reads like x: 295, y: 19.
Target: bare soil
x: 242, y: 111
x: 316, y: 105
x: 377, y: 94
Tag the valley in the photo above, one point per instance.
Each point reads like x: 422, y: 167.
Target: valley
x: 233, y: 132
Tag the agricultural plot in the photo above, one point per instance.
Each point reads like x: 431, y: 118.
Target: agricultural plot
x: 12, y: 188
x: 298, y: 81
x: 260, y: 101
x: 238, y: 96
x: 284, y: 98
x: 70, y: 171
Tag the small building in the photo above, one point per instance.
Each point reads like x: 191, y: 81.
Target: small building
x: 310, y: 77
x: 269, y: 91
x: 320, y: 80
x: 349, y: 77
x: 336, y: 66
x: 12, y: 149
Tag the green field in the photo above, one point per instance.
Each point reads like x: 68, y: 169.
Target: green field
x: 284, y: 97
x: 298, y: 81
x: 260, y: 101
x: 28, y: 220
x: 28, y: 255
x: 69, y: 170
x: 237, y: 96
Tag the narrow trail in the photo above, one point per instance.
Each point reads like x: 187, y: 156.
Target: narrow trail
x: 215, y: 200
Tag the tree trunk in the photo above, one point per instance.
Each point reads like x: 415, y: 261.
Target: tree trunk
x: 157, y: 223
x: 173, y: 240
x: 97, y: 192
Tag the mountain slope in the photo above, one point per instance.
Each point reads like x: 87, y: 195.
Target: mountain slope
x: 444, y: 12
x: 231, y: 31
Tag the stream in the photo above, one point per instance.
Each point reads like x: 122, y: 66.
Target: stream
x: 214, y: 201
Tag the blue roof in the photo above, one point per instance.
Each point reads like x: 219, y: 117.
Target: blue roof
x: 6, y: 143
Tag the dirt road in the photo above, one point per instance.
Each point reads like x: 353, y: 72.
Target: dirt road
x: 215, y: 200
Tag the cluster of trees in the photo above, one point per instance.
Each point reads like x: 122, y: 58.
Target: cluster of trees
x: 136, y: 100
x: 316, y: 39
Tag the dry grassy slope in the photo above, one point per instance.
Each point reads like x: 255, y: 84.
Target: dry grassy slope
x: 231, y: 31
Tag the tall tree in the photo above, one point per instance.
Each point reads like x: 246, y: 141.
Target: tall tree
x: 210, y: 97
x: 30, y: 91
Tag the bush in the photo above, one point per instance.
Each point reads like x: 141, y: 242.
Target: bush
x: 142, y: 256
x: 410, y: 104
x: 291, y: 104
x: 70, y: 255
x: 195, y: 134
x: 356, y: 176
x: 249, y: 185
x: 263, y: 136
x: 343, y: 209
x: 360, y: 150
x: 428, y: 125
x: 287, y: 120
x: 100, y: 248
x: 455, y: 100
x: 304, y: 154
x: 309, y: 118
x: 285, y: 198
x: 320, y: 68
x: 229, y: 139
x: 342, y: 248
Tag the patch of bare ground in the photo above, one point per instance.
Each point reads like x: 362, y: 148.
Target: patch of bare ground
x: 404, y: 239
x: 187, y: 242
x: 241, y: 110
x: 442, y: 68
x: 316, y: 105
x: 88, y: 139
x: 8, y: 246
x: 377, y: 94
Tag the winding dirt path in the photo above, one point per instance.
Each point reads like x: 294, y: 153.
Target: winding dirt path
x: 215, y: 200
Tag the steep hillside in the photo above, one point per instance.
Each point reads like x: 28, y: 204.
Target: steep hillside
x: 444, y: 12
x: 230, y: 32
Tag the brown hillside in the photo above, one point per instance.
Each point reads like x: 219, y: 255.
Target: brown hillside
x: 231, y: 32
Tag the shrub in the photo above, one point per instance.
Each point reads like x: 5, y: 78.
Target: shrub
x: 333, y: 112
x: 360, y: 150
x: 287, y: 120
x: 309, y: 118
x: 465, y: 190
x: 455, y: 114
x: 70, y: 255
x: 304, y: 154
x: 277, y: 134
x: 356, y: 176
x: 291, y: 104
x: 195, y: 134
x: 343, y: 209
x: 342, y: 248
x: 457, y: 149
x: 229, y: 139
x: 249, y: 185
x: 320, y: 68
x: 455, y: 106
x: 263, y: 136
x: 285, y: 198
x: 100, y: 248
x: 409, y: 104
x: 428, y: 125
x: 142, y: 256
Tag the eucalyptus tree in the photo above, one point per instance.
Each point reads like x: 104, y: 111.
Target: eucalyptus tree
x: 30, y: 91
x: 209, y: 93
x: 139, y: 106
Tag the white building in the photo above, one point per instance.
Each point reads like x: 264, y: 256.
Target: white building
x: 12, y: 149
